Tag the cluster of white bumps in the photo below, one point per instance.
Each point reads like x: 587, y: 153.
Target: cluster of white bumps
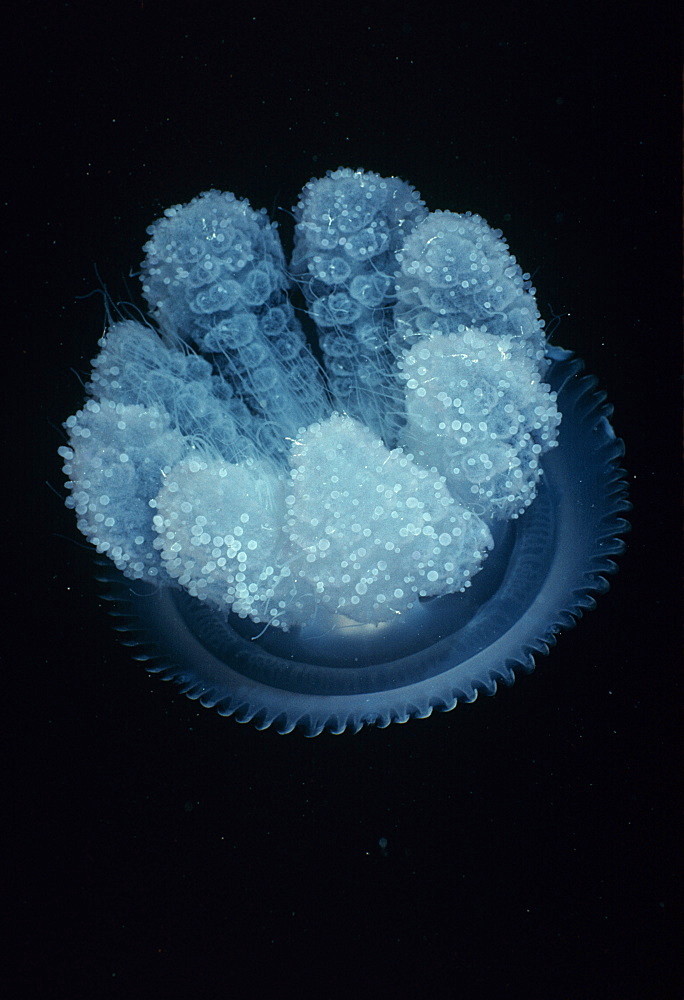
x: 333, y: 519
x: 354, y: 527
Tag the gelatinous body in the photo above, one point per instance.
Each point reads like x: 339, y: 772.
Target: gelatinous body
x: 327, y: 547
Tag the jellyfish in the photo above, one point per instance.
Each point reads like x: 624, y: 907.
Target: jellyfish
x: 360, y: 517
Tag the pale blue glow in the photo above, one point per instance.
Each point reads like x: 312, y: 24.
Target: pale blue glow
x: 355, y: 521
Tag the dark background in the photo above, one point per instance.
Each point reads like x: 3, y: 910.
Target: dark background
x: 158, y: 848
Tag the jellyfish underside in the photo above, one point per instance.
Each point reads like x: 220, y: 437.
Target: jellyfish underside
x: 324, y: 551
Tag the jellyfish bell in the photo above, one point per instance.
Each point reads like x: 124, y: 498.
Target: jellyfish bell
x: 327, y: 550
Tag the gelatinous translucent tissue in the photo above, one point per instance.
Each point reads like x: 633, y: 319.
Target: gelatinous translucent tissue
x: 333, y: 493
